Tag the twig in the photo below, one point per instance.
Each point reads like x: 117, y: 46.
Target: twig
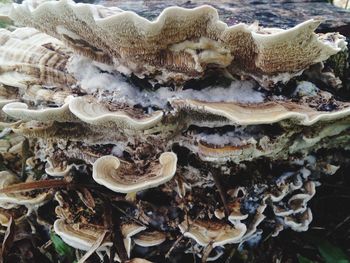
x: 118, y: 242
x: 36, y: 185
x: 334, y: 196
x: 177, y: 241
x: 221, y: 192
x: 130, y: 217
x: 336, y: 186
x: 167, y: 255
x: 338, y: 226
x: 231, y: 255
x: 25, y: 156
x: 107, y: 222
x: 94, y: 247
x: 206, y: 252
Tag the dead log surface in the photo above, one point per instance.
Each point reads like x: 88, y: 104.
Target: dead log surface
x: 271, y: 13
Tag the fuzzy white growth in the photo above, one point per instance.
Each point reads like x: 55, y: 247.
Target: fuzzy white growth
x: 230, y: 138
x: 113, y: 87
x: 118, y: 149
x: 305, y: 88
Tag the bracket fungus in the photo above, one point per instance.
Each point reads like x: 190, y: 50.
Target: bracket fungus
x: 223, y: 130
x: 211, y: 233
x: 57, y: 170
x: 28, y: 56
x: 122, y: 176
x: 20, y: 110
x: 83, y: 237
x: 149, y: 239
x: 11, y: 200
x: 97, y: 114
x: 134, y: 44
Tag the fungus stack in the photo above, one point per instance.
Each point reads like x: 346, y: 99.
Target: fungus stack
x: 158, y: 132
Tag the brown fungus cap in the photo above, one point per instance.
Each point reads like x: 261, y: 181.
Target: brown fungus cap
x: 214, y: 233
x: 149, y: 238
x: 83, y: 236
x: 28, y: 56
x: 261, y: 113
x: 122, y: 177
x: 20, y: 110
x: 11, y: 200
x: 93, y: 112
x: 181, y: 43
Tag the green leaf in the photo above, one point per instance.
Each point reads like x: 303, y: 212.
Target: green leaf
x: 4, y: 23
x: 331, y: 253
x: 61, y: 248
x: 302, y: 259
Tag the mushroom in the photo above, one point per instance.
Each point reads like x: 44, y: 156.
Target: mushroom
x: 28, y: 56
x: 247, y: 139
x: 297, y: 203
x: 138, y: 260
x: 214, y: 254
x: 299, y: 222
x: 83, y: 236
x: 133, y: 44
x: 17, y: 214
x: 80, y: 236
x: 128, y: 231
x: 118, y: 92
x: 261, y: 113
x: 212, y: 233
x: 149, y: 238
x: 121, y: 176
x: 20, y: 110
x: 11, y: 200
x: 235, y: 213
x: 257, y: 219
x: 39, y: 93
x: 58, y: 170
x: 97, y: 114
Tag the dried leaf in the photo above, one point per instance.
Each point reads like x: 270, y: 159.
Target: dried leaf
x: 119, y: 243
x: 25, y: 155
x: 87, y: 198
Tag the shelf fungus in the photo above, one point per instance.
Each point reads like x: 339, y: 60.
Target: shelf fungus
x: 122, y: 177
x: 97, y: 114
x: 83, y: 237
x: 211, y: 233
x: 28, y: 199
x: 29, y: 57
x: 20, y: 110
x: 181, y: 44
x: 164, y: 137
x: 61, y: 170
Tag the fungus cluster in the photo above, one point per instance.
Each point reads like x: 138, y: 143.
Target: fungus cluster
x: 143, y: 135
